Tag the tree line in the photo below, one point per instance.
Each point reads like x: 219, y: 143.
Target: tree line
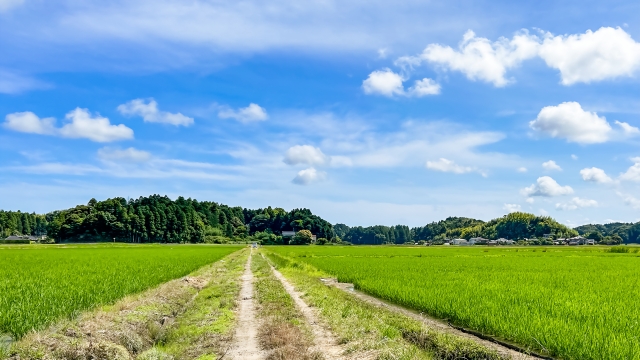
x: 514, y: 226
x: 159, y: 219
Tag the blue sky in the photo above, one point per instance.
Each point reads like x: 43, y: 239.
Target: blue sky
x: 370, y: 112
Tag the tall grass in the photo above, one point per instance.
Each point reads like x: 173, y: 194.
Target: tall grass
x: 40, y: 284
x: 571, y: 303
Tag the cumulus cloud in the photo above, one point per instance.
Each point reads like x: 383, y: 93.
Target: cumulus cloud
x: 576, y: 203
x: 522, y: 169
x: 148, y: 110
x: 627, y: 129
x: 80, y: 124
x: 568, y: 120
x: 574, y: 157
x: 251, y: 113
x: 305, y: 154
x: 546, y: 186
x: 480, y: 59
x: 29, y: 122
x: 95, y: 128
x: 596, y: 175
x: 123, y: 155
x: 551, y: 166
x: 388, y: 83
x: 593, y: 56
x: 633, y: 173
x: 308, y: 176
x: 383, y: 82
x: 446, y: 165
x: 512, y: 207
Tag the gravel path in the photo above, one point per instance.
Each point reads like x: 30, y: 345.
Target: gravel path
x: 324, y: 340
x: 245, y: 343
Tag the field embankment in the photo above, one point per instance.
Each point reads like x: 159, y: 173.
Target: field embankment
x: 41, y: 284
x: 370, y: 332
x: 572, y: 303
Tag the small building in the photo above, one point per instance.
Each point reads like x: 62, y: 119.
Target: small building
x: 503, y: 241
x: 287, y: 233
x: 492, y: 243
x: 478, y: 241
x: 459, y: 242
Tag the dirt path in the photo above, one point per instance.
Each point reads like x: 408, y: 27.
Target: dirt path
x: 502, y: 349
x: 324, y: 340
x: 245, y: 344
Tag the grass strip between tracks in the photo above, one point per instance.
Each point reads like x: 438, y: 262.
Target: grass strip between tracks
x: 370, y: 331
x: 283, y: 330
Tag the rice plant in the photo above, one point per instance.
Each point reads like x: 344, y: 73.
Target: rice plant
x: 39, y: 285
x: 571, y: 303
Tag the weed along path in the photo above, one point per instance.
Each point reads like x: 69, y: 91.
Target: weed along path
x: 325, y: 342
x: 245, y: 344
x: 504, y: 349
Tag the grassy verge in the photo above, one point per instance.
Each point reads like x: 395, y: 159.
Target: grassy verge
x: 204, y: 330
x: 372, y: 331
x: 283, y: 330
x: 136, y: 323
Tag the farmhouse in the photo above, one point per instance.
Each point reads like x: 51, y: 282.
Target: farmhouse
x: 459, y: 242
x: 478, y: 241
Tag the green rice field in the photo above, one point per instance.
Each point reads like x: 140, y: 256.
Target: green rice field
x: 565, y: 302
x: 40, y: 284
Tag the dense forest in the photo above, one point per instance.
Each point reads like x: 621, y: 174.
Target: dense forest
x: 19, y: 223
x: 159, y: 219
x: 627, y: 232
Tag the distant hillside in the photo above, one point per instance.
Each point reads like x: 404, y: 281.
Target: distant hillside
x: 512, y: 226
x: 159, y: 219
x: 628, y: 232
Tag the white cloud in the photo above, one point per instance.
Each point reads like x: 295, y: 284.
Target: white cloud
x: 251, y: 113
x: 308, y: 176
x: 530, y: 200
x: 574, y: 157
x: 480, y: 59
x: 593, y: 56
x: 383, y: 82
x: 6, y: 5
x: 305, y: 154
x: 628, y: 129
x: 576, y: 203
x: 150, y: 113
x: 512, y: 207
x: 123, y: 155
x: 425, y: 87
x: 546, y: 186
x: 446, y: 165
x: 551, y: 166
x: 633, y: 173
x: 383, y: 53
x: 388, y: 83
x: 29, y: 122
x: 82, y: 125
x: 596, y: 175
x: 522, y: 169
x: 568, y: 120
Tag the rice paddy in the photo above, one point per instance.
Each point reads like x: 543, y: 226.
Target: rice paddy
x: 570, y: 303
x: 40, y: 284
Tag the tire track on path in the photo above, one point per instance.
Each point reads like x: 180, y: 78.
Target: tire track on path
x: 245, y: 345
x: 324, y: 340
